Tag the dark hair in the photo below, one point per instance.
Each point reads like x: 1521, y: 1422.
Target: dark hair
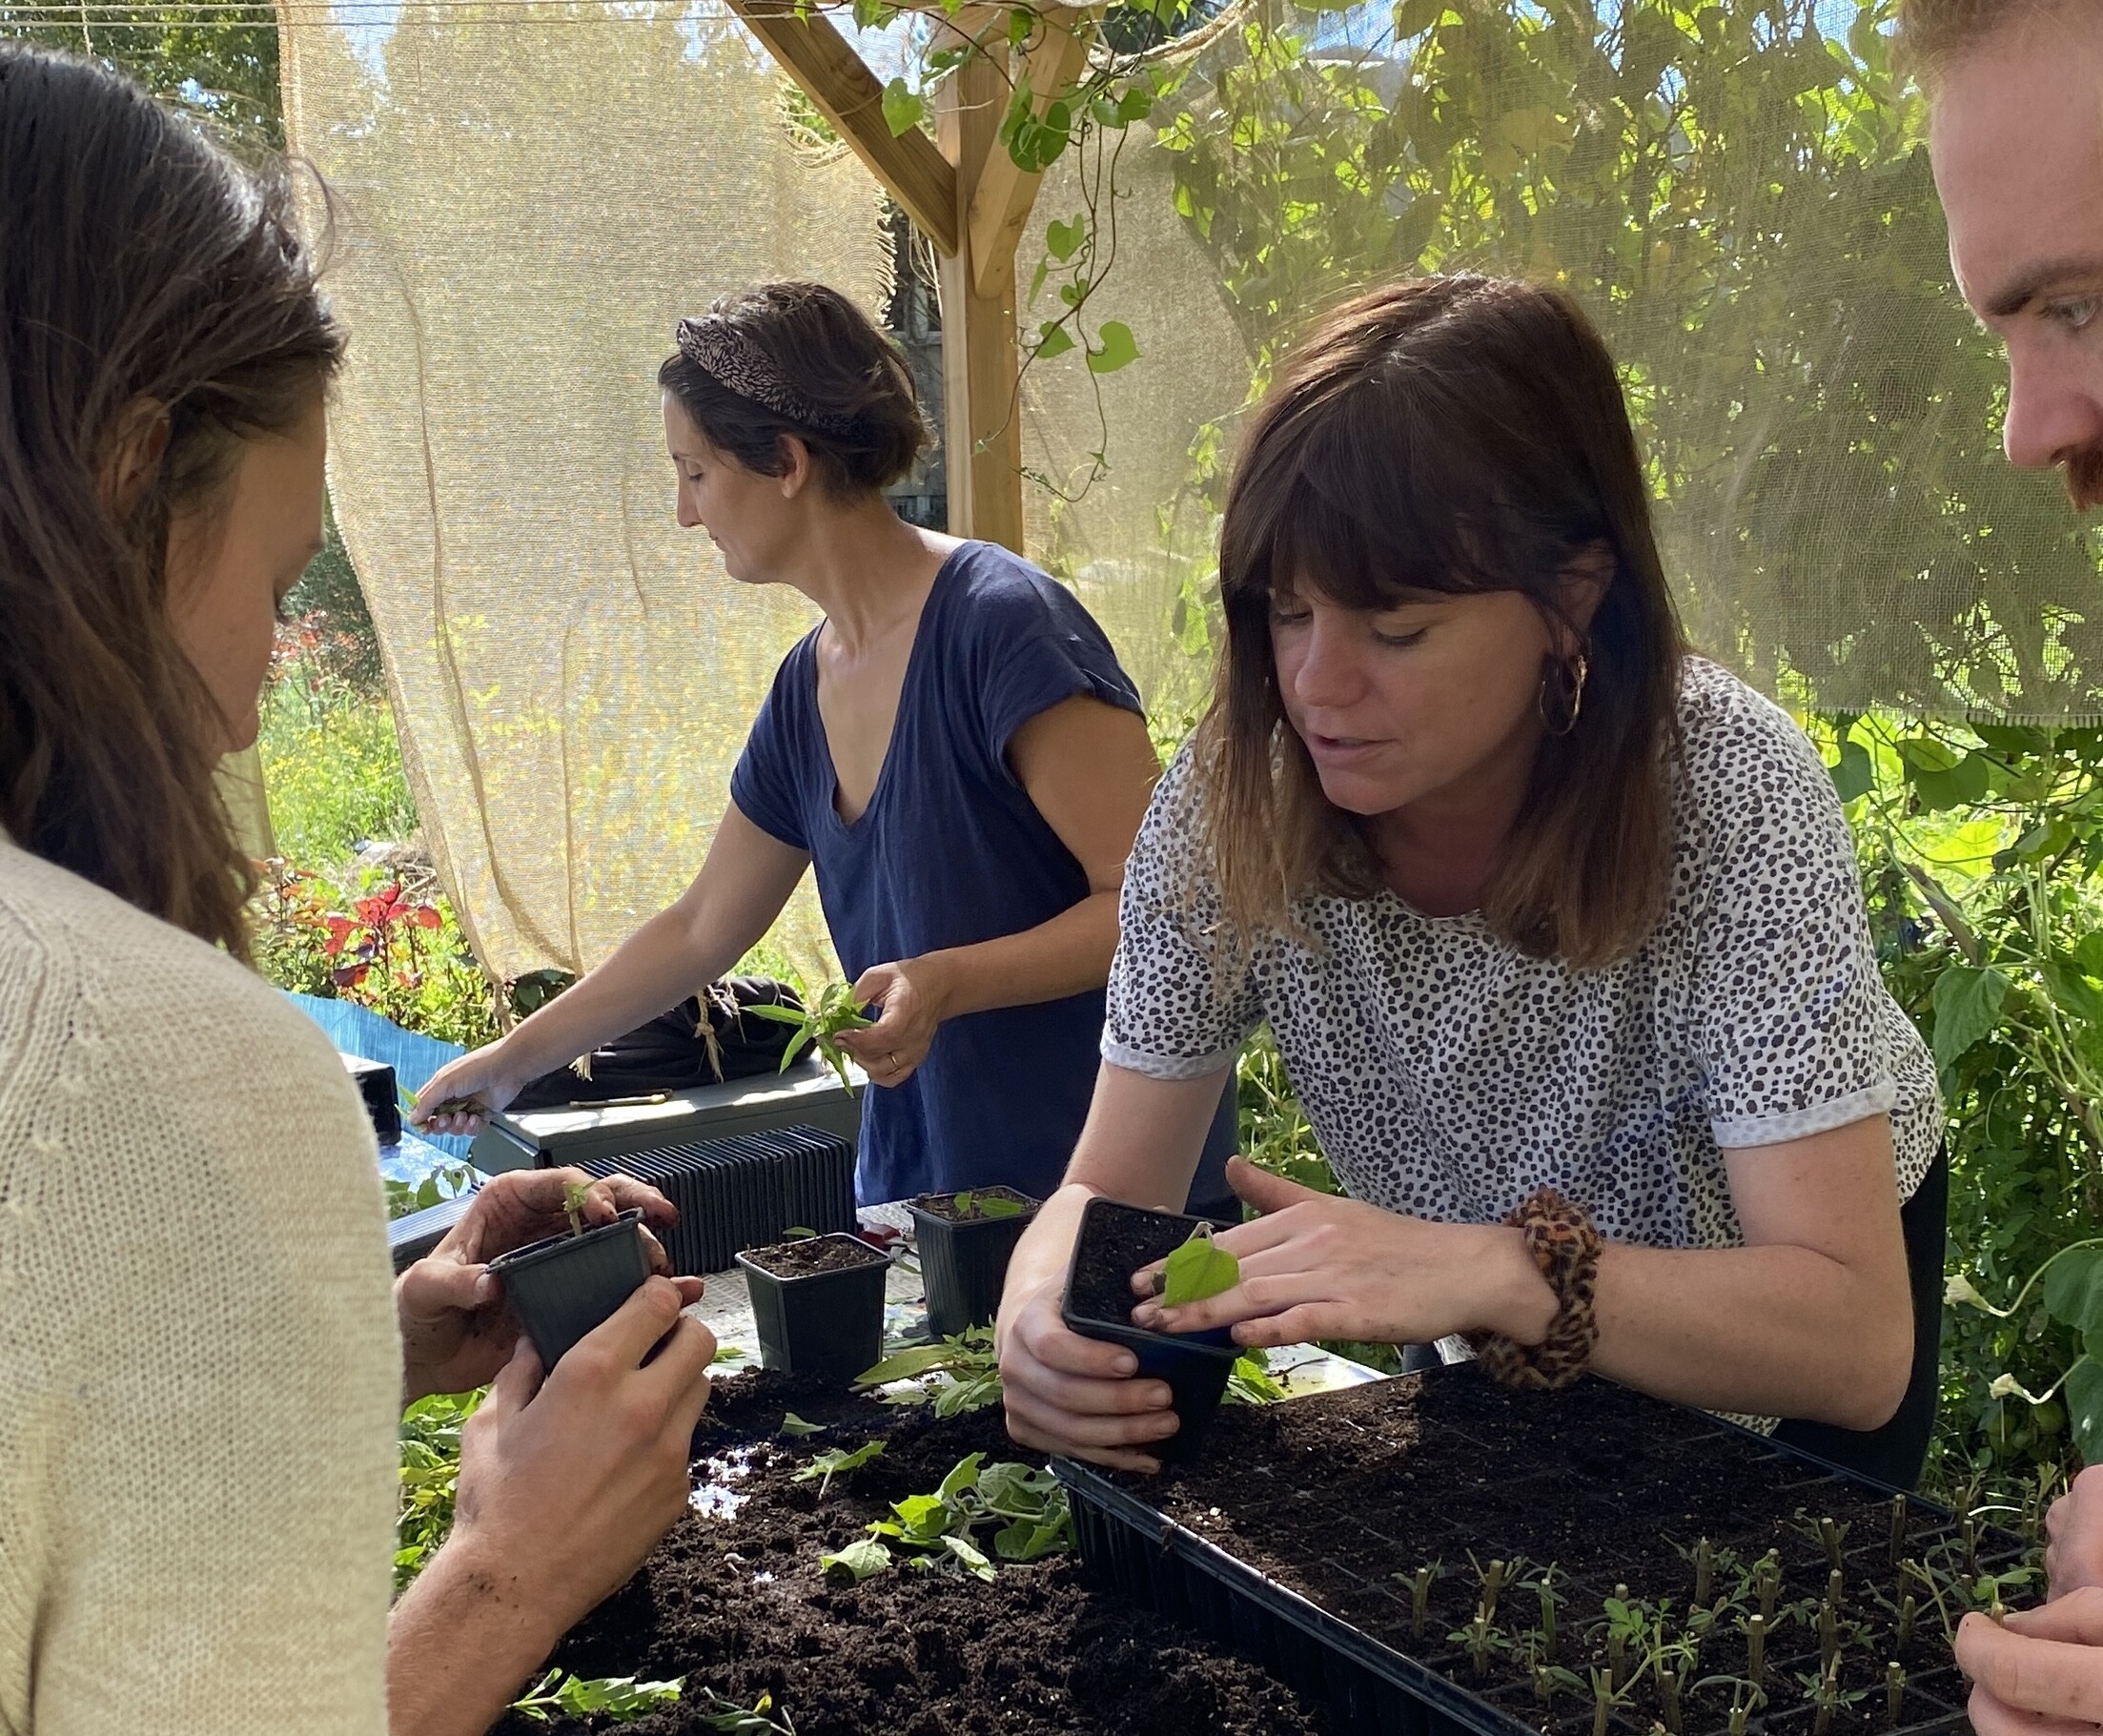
x: 139, y: 266
x: 830, y: 356
x: 1454, y: 434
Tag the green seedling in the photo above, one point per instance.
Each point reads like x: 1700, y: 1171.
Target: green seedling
x: 969, y: 1205
x: 863, y: 1559
x: 1671, y: 1684
x: 1198, y: 1270
x: 835, y: 1462
x: 1481, y: 1640
x: 1898, y: 1529
x: 1746, y: 1698
x: 1824, y: 1691
x: 573, y: 1205
x: 959, y: 1375
x: 1027, y: 1503
x: 759, y: 1718
x: 819, y: 1026
x: 1419, y: 1595
x: 617, y: 1698
x: 1829, y: 1535
x: 1631, y: 1626
x: 1756, y: 1651
x: 1543, y: 1588
x: 1766, y: 1583
x: 796, y: 1428
x: 1492, y: 1581
x: 1249, y: 1382
x: 1894, y: 1691
x: 1606, y: 1696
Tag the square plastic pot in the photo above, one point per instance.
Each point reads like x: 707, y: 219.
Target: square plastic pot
x: 1115, y: 1242
x: 563, y: 1287
x: 964, y: 1261
x: 828, y: 1322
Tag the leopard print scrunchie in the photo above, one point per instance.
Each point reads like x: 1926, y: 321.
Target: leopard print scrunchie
x: 1564, y: 1246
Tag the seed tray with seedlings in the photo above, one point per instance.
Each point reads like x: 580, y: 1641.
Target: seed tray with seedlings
x: 1437, y: 1553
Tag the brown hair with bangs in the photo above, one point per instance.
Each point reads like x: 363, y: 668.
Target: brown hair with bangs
x: 1457, y: 433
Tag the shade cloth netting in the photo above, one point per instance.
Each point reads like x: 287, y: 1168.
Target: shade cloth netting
x: 530, y: 193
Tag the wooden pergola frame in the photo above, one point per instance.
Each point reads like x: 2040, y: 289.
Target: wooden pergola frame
x: 969, y: 196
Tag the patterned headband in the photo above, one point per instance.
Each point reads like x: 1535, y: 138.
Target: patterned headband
x: 734, y: 361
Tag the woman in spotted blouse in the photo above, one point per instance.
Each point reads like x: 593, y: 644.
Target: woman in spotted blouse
x: 1557, y: 927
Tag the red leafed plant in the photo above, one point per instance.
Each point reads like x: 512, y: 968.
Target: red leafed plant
x: 381, y: 934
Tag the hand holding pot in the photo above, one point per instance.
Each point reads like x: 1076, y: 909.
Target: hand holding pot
x: 456, y: 1332
x: 2074, y: 1556
x: 1067, y: 1394
x: 2041, y: 1670
x: 1315, y: 1266
x: 566, y: 1483
x: 910, y: 1011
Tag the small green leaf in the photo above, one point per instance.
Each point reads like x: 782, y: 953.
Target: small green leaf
x: 1118, y: 348
x: 901, y: 108
x: 964, y: 1477
x: 1053, y: 340
x: 1197, y: 1270
x: 1853, y: 773
x: 796, y: 1428
x: 1063, y: 240
x: 1967, y: 1001
x: 863, y: 1559
x: 2073, y: 1289
x: 970, y: 1555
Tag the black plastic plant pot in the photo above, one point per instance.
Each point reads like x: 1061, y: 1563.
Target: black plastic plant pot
x: 1115, y: 1242
x: 964, y: 1254
x: 563, y: 1287
x: 818, y: 1304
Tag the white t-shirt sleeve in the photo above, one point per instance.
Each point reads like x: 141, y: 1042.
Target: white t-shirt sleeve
x: 1786, y: 1027
x: 1172, y: 1011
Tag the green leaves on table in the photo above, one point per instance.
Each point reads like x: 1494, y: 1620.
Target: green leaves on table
x: 1199, y: 1269
x: 1021, y: 1510
x: 958, y: 1375
x: 620, y: 1698
x: 970, y: 1205
x: 819, y: 1026
x: 835, y: 1461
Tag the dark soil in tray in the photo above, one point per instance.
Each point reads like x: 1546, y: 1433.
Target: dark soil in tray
x: 733, y: 1600
x: 944, y: 1206
x: 806, y: 1256
x: 1343, y: 1498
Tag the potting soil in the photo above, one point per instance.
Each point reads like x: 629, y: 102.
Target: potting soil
x: 739, y: 1605
x: 813, y: 1254
x: 1343, y: 1497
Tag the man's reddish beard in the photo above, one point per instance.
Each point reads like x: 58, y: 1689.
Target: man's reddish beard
x: 2085, y: 478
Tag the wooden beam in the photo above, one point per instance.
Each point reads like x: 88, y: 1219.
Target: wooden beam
x: 981, y: 422
x: 1000, y: 204
x: 847, y: 92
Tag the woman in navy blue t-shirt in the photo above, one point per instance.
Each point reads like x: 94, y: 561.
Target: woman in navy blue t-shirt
x: 955, y: 749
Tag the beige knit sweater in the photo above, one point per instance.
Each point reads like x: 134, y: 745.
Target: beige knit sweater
x: 199, y: 1372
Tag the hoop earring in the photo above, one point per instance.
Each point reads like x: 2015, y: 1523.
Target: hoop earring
x: 1570, y: 702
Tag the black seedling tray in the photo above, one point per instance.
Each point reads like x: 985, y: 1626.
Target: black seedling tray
x: 744, y: 1192
x: 1371, y: 1689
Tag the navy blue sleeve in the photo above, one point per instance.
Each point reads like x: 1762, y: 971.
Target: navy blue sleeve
x: 766, y: 785
x: 1034, y: 645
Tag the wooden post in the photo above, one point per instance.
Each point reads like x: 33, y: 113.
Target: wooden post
x: 982, y: 435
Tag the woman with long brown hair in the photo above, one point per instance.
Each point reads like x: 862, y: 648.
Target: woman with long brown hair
x: 1557, y: 927
x: 201, y: 1373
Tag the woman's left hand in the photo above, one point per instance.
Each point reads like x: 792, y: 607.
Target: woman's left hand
x: 910, y: 1000
x: 1315, y: 1266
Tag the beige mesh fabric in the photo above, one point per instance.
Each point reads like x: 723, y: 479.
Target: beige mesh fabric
x: 1740, y: 197
x: 526, y: 202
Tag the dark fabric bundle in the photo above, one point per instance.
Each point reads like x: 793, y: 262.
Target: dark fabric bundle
x: 704, y: 1040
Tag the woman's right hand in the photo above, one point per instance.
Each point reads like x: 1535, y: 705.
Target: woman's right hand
x: 464, y: 1093
x: 1075, y: 1395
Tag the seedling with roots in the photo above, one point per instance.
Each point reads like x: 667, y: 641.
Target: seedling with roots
x: 1824, y: 1691
x: 573, y: 1205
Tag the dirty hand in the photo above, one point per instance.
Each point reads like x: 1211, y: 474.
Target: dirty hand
x: 2042, y: 1670
x: 1067, y: 1394
x: 566, y: 1482
x: 456, y: 1331
x: 908, y: 998
x: 477, y: 1086
x: 2075, y: 1557
x: 1314, y: 1266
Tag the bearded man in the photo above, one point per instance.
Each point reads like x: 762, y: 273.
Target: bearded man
x: 2015, y: 133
